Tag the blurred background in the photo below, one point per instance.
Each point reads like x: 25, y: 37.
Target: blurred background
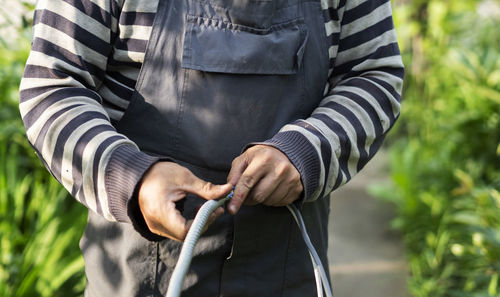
x: 423, y: 219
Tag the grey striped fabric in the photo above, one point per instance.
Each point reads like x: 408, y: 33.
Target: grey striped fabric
x: 83, y: 66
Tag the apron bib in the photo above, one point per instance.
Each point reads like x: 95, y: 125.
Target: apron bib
x: 217, y: 76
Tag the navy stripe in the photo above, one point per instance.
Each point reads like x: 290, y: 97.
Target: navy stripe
x: 78, y: 153
x: 376, y: 146
x: 386, y: 86
x: 131, y: 45
x: 345, y: 142
x: 377, y: 94
x: 370, y: 110
x: 115, y: 9
x: 361, y: 10
x: 366, y: 35
x: 122, y: 79
x: 34, y: 71
x: 120, y: 63
x: 55, y: 51
x: 76, y: 32
x: 92, y: 10
x: 356, y: 124
x: 326, y: 151
x: 330, y: 14
x: 110, y: 105
x: 385, y: 51
x: 118, y: 89
x: 95, y: 168
x: 43, y: 132
x: 64, y: 135
x: 333, y: 39
x: 30, y: 118
x: 390, y: 70
x: 28, y: 94
x: 398, y: 72
x: 137, y: 18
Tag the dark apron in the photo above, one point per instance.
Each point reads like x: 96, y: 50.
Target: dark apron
x: 218, y: 75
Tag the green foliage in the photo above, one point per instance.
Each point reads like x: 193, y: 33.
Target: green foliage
x: 40, y: 223
x: 446, y: 154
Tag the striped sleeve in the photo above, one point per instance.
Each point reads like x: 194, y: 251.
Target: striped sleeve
x: 361, y: 103
x: 64, y: 115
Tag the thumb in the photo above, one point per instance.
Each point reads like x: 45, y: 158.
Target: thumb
x: 206, y: 189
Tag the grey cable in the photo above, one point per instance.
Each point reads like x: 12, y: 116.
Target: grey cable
x: 317, y: 264
x: 186, y: 255
x: 180, y: 271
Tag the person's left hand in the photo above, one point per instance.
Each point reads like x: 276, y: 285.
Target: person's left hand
x: 263, y: 174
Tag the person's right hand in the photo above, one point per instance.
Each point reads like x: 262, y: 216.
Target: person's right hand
x: 164, y: 184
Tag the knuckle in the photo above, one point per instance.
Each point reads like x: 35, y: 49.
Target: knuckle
x: 281, y: 169
x: 247, y: 181
x: 207, y: 187
x: 259, y: 197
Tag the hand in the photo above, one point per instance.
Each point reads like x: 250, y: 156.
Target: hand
x: 263, y: 174
x: 164, y: 184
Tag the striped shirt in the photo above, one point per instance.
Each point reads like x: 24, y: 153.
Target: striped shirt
x: 83, y: 66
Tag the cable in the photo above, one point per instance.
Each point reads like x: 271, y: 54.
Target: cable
x: 317, y: 264
x: 186, y: 255
x: 180, y: 271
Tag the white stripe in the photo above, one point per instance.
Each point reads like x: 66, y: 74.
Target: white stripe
x: 113, y: 114
x: 332, y: 27
x: 103, y: 4
x: 128, y: 56
x: 334, y: 143
x: 109, y: 96
x: 69, y: 150
x: 34, y: 130
x: 58, y: 125
x: 62, y: 40
x: 332, y: 51
x: 360, y: 113
x: 350, y: 132
x: 77, y: 17
x: 366, y: 48
x: 140, y: 6
x: 385, y: 121
x: 380, y: 13
x: 395, y: 104
x: 135, y: 31
x: 41, y: 59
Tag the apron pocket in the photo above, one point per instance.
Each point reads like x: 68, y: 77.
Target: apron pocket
x: 216, y: 46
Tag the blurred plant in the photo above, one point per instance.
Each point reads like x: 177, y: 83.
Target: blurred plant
x: 40, y: 224
x: 446, y: 153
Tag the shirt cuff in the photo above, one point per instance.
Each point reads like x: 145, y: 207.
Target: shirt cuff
x: 124, y: 172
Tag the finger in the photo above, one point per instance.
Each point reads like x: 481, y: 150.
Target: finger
x: 206, y: 189
x: 237, y: 167
x: 277, y: 198
x: 250, y: 177
x: 262, y: 190
x: 293, y: 193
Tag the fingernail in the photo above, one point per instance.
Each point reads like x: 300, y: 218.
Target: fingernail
x: 232, y: 208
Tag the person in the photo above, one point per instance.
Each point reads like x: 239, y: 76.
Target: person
x: 142, y: 110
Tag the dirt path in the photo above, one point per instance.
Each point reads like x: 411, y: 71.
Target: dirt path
x: 366, y: 257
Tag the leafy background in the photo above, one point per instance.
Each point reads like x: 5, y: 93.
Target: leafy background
x: 445, y: 159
